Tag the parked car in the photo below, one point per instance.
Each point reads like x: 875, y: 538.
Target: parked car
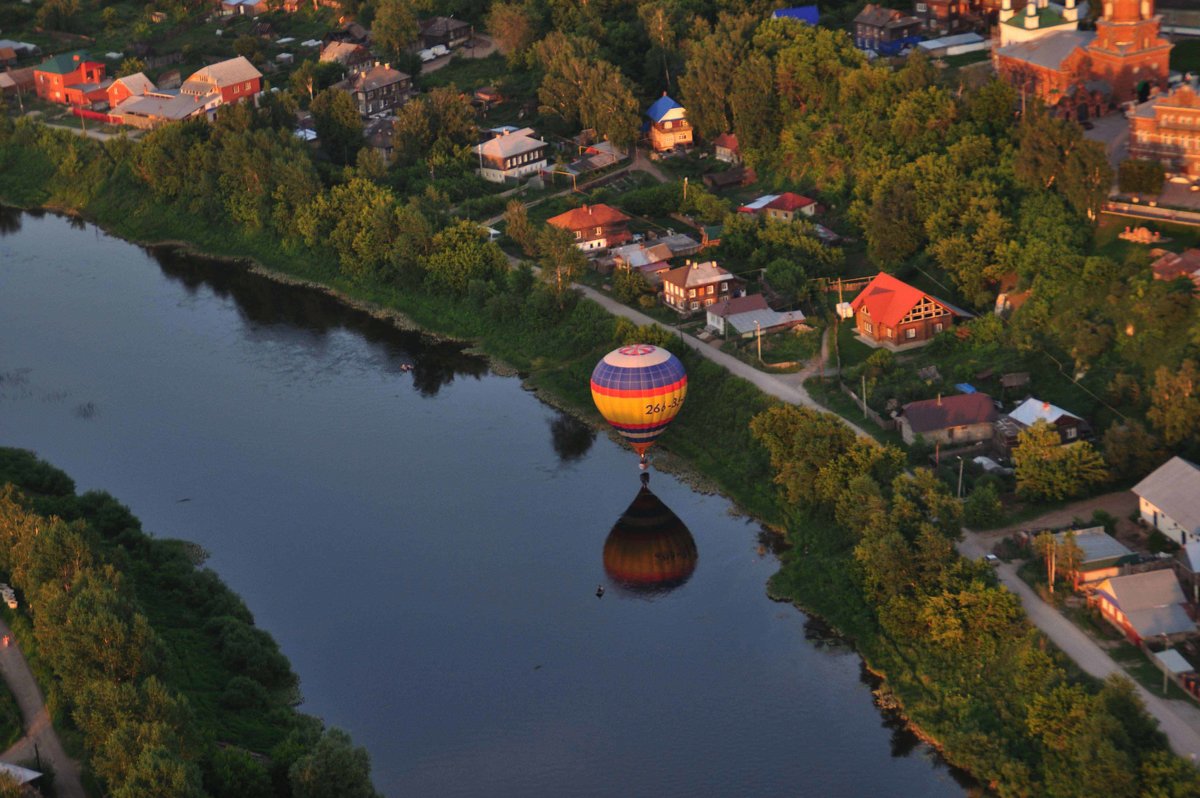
x: 426, y: 56
x: 439, y: 50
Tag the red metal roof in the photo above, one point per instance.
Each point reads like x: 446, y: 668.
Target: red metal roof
x: 740, y: 304
x: 888, y: 299
x: 588, y: 216
x: 787, y: 201
x: 727, y: 140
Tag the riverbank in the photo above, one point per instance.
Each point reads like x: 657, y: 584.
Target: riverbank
x: 968, y: 685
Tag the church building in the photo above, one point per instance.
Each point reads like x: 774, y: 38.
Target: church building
x: 1080, y: 73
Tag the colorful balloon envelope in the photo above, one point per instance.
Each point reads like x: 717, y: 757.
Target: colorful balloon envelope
x: 649, y: 550
x: 639, y: 389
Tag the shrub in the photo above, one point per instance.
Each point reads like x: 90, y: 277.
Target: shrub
x: 982, y: 508
x: 1140, y: 177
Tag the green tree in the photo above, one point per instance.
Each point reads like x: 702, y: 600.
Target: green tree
x: 131, y: 66
x: 518, y: 227
x: 629, y: 285
x: 1048, y: 471
x: 460, y: 255
x: 1130, y: 450
x: 395, y: 26
x: 233, y: 773
x: 800, y: 442
x: 513, y: 29
x: 560, y: 259
x: 982, y: 507
x: 335, y: 768
x: 1175, y: 403
x: 339, y: 127
x: 1136, y: 176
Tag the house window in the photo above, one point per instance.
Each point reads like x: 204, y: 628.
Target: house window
x: 937, y: 328
x: 724, y: 287
x: 695, y: 305
x: 867, y: 326
x: 1072, y: 433
x: 599, y: 230
x: 710, y: 289
x: 691, y: 292
x: 578, y: 234
x: 910, y: 333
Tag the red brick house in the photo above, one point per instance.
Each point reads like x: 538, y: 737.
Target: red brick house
x: 1167, y: 129
x: 595, y: 227
x: 235, y: 80
x: 129, y: 86
x: 1082, y: 72
x: 893, y: 313
x: 55, y: 76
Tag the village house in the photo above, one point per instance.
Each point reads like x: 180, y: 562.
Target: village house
x: 648, y: 260
x: 377, y: 133
x: 234, y: 80
x: 8, y: 56
x: 1171, y: 265
x: 349, y: 32
x: 748, y: 316
x: 154, y: 108
x: 595, y: 227
x: 511, y: 155
x: 1144, y: 606
x: 243, y: 8
x: 1169, y: 500
x: 446, y: 31
x: 730, y: 178
x: 669, y: 127
x: 785, y: 207
x: 1070, y: 428
x: 1043, y: 53
x: 129, y: 86
x: 594, y: 157
x: 893, y: 313
x: 696, y: 285
x: 940, y: 17
x: 71, y: 78
x: 725, y: 148
x: 875, y: 27
x: 1102, y: 556
x: 16, y: 82
x: 1167, y: 129
x: 378, y: 89
x: 959, y: 419
x: 354, y: 57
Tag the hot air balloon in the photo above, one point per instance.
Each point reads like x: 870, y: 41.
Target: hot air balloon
x: 638, y: 389
x: 649, y: 550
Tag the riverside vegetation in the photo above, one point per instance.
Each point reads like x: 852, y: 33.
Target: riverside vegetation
x: 153, y: 667
x: 933, y: 178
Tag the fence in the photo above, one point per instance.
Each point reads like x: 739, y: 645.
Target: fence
x: 884, y: 423
x: 1152, y: 213
x: 84, y: 113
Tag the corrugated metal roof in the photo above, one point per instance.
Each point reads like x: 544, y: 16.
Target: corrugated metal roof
x: 1097, y: 545
x: 1174, y: 488
x: 1152, y: 601
x: 950, y: 411
x: 1033, y: 410
x: 1173, y: 661
x: 766, y: 319
x: 661, y: 107
x: 808, y: 14
x: 1048, y: 51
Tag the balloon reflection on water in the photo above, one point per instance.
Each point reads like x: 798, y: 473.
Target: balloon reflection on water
x: 649, y: 550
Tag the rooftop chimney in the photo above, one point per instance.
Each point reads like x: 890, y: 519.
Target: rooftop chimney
x: 1046, y: 406
x: 939, y: 400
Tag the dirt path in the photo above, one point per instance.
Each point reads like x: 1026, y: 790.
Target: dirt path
x: 1118, y: 504
x: 40, y: 739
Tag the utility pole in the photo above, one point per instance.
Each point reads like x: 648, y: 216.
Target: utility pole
x: 864, y: 395
x: 1166, y: 670
x: 758, y: 330
x: 960, y: 470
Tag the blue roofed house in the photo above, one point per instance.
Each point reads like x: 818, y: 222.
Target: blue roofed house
x: 808, y: 14
x: 669, y: 127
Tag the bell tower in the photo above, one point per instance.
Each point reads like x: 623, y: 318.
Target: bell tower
x: 1128, y: 51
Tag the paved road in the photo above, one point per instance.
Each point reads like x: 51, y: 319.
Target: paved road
x: 1183, y: 737
x: 38, y: 729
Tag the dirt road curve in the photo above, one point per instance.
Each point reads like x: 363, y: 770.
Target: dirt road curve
x: 38, y: 729
x: 1183, y: 737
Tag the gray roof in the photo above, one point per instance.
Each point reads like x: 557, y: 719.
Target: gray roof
x: 1048, y: 51
x: 745, y: 322
x: 698, y: 274
x: 1032, y: 410
x: 507, y: 145
x: 166, y: 106
x: 1174, y: 488
x: 376, y: 77
x: 1097, y: 545
x: 22, y: 775
x: 1173, y: 661
x: 225, y: 73
x: 1152, y: 601
x: 1190, y: 554
x: 680, y: 243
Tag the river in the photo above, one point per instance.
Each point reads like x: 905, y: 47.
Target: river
x: 426, y: 544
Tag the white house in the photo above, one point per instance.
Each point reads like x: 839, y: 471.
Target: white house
x: 511, y: 155
x: 1169, y: 500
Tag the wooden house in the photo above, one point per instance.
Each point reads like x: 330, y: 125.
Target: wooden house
x: 694, y: 286
x: 949, y: 420
x: 1070, y: 428
x: 893, y: 313
x: 669, y: 127
x: 1145, y: 606
x: 595, y: 227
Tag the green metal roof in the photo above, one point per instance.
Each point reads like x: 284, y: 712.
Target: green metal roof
x: 1047, y: 18
x: 63, y: 63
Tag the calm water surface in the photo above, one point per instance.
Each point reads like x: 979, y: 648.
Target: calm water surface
x: 426, y: 544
